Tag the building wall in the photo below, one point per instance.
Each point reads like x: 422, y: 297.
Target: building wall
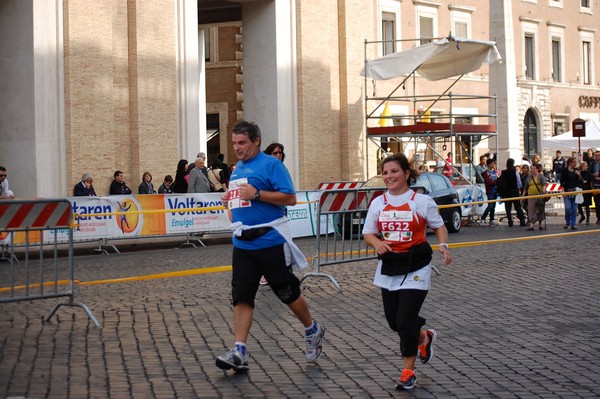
x: 320, y: 148
x: 552, y: 100
x: 120, y: 91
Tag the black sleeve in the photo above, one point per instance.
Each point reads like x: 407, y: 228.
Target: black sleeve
x: 141, y: 189
x: 78, y: 190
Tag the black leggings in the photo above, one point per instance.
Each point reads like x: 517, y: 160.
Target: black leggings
x: 402, y: 309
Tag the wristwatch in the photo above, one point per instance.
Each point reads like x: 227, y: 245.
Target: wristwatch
x: 257, y: 195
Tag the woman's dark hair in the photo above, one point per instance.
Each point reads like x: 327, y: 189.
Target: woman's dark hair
x: 146, y: 174
x: 490, y: 161
x: 272, y: 147
x: 216, y: 163
x: 180, y: 184
x: 181, y: 165
x: 405, y: 165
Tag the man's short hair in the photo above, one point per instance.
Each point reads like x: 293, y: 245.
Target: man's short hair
x: 482, y: 157
x: 558, y: 152
x: 117, y: 173
x: 168, y: 178
x: 2, y: 168
x: 201, y: 155
x: 250, y: 129
x: 87, y: 176
x: 490, y: 161
x: 221, y: 157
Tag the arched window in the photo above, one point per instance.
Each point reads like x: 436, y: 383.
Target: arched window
x: 530, y: 134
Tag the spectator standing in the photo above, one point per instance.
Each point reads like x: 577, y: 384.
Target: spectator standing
x: 588, y: 156
x: 167, y: 186
x: 216, y: 177
x: 535, y: 184
x: 118, y: 186
x: 586, y: 184
x: 558, y: 165
x: 203, y: 168
x: 524, y: 172
x: 404, y: 267
x: 570, y: 179
x: 594, y: 169
x: 5, y: 191
x: 513, y: 189
x: 198, y: 182
x: 85, y: 188
x: 260, y: 188
x: 448, y: 166
x: 538, y: 161
x: 223, y: 166
x: 489, y: 178
x: 146, y: 186
x: 181, y: 184
x: 480, y: 168
x: 276, y: 150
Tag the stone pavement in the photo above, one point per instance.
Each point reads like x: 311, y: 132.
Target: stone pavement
x: 514, y: 320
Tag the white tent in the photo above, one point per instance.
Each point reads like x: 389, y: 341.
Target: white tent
x: 566, y: 141
x: 437, y: 60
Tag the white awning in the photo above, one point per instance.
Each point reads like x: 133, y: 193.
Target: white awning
x: 437, y: 60
x: 566, y: 141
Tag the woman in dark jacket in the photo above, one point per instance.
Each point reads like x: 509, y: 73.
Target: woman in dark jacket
x: 181, y: 185
x: 510, y: 177
x: 570, y: 179
x: 489, y: 178
x: 146, y: 186
x: 586, y: 184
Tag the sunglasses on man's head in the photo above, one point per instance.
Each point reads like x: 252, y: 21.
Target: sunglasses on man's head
x: 2, y: 175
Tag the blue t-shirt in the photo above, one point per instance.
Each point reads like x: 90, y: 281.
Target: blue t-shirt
x: 265, y: 173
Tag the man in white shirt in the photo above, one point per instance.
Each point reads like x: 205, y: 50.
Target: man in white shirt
x: 5, y: 191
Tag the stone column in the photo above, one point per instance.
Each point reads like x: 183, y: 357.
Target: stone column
x: 270, y: 88
x: 32, y: 97
x: 503, y: 81
x: 190, y: 81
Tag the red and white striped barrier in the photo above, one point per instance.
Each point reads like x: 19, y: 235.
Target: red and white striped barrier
x: 37, y: 215
x: 340, y: 201
x: 340, y: 185
x: 553, y: 188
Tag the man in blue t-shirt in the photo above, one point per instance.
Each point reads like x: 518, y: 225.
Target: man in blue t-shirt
x: 259, y: 189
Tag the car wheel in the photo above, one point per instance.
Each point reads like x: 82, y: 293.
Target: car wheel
x: 454, y: 222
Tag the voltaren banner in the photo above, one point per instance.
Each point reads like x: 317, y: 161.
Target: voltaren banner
x: 144, y: 216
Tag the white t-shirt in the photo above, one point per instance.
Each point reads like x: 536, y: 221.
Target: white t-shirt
x: 5, y: 190
x: 424, y: 206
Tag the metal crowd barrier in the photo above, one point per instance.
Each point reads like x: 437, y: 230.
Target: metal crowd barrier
x: 346, y: 209
x: 39, y: 221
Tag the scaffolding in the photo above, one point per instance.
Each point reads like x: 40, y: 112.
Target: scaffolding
x: 434, y: 121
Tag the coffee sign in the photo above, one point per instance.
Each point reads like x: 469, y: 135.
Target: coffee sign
x: 589, y: 102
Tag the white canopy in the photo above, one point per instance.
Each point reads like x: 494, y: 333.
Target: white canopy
x: 566, y: 141
x: 437, y: 60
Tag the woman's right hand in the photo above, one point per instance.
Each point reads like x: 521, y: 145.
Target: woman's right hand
x: 382, y: 247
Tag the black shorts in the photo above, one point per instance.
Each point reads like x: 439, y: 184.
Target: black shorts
x: 273, y: 263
